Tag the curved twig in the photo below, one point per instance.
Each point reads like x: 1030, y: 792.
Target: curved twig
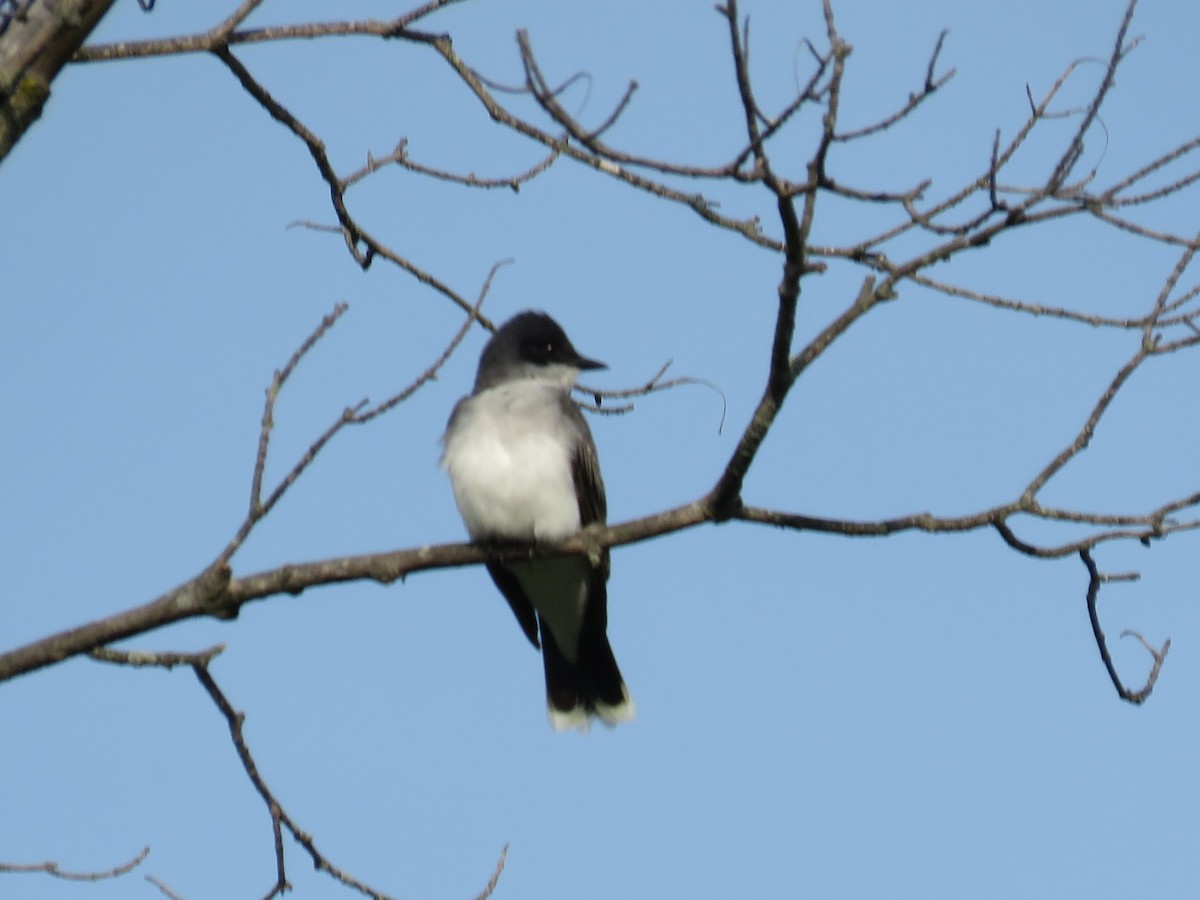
x: 54, y: 870
x: 1139, y: 696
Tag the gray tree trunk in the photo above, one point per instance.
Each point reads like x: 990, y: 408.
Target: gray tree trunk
x: 37, y: 38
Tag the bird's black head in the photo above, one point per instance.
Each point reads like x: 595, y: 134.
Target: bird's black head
x: 531, y: 345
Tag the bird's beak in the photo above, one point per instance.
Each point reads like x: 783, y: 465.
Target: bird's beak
x: 583, y: 362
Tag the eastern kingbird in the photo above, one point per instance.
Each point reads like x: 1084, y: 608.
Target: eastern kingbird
x: 524, y: 468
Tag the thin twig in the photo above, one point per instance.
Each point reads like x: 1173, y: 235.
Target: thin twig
x: 431, y: 372
x: 163, y: 888
x: 363, y: 246
x: 268, y: 416
x: 54, y: 870
x: 207, y: 41
x: 653, y: 385
x: 490, y: 887
x: 1033, y: 309
x: 928, y: 89
x: 258, y: 508
x: 316, y: 148
x: 165, y: 660
x: 399, y: 157
x: 1139, y: 696
x: 279, y: 817
x: 358, y: 414
x: 1074, y: 151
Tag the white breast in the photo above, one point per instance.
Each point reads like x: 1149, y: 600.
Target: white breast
x: 509, y: 455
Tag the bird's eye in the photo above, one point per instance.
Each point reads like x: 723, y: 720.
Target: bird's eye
x: 540, y: 351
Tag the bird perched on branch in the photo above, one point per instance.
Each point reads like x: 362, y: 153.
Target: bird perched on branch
x: 523, y: 465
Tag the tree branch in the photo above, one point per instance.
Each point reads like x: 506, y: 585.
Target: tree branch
x: 280, y: 819
x: 56, y: 871
x: 1139, y: 696
x: 223, y: 36
x: 216, y: 592
x: 35, y: 44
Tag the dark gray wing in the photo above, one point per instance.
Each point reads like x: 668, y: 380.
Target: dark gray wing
x: 589, y: 486
x: 593, y: 680
x: 585, y: 469
x: 507, y: 582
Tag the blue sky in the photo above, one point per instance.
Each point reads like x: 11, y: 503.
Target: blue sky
x: 818, y: 717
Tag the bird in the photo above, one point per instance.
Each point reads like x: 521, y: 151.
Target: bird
x: 524, y: 469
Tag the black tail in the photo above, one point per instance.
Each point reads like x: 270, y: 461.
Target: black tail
x: 591, y: 685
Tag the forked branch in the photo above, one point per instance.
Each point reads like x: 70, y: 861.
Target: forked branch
x: 1139, y: 696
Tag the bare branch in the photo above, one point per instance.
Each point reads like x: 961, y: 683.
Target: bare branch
x: 812, y: 92
x: 165, y: 660
x: 281, y: 820
x: 1135, y: 697
x: 279, y: 817
x: 1074, y: 151
x: 741, y: 67
x: 1033, y: 309
x: 615, y: 114
x: 1162, y: 237
x: 1084, y: 436
x: 654, y: 385
x: 537, y: 86
x: 354, y: 235
x: 199, y: 596
x: 56, y: 871
x: 268, y: 416
x: 209, y: 41
x: 1149, y: 169
x: 987, y: 181
x: 399, y: 157
x: 490, y: 887
x: 783, y: 371
x: 927, y: 90
x: 316, y: 147
x: 431, y: 372
x: 162, y: 886
x: 258, y: 508
x: 351, y: 415
x: 221, y: 33
x: 214, y: 593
